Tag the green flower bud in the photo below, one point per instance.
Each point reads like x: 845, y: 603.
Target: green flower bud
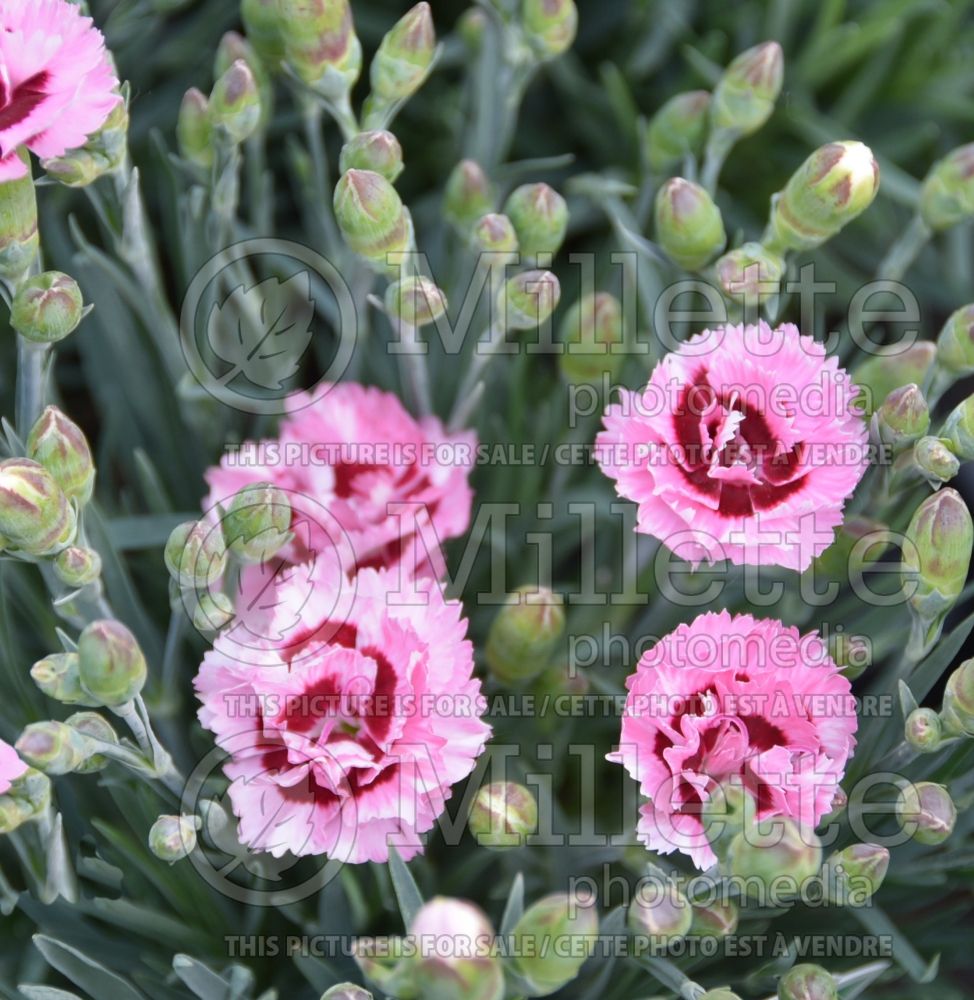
x: 77, y: 566
x: 958, y: 708
x: 851, y: 877
x: 386, y: 962
x: 677, y: 130
x: 212, y: 612
x: 890, y: 368
x: 19, y: 240
x: 689, y: 226
x: 503, y: 814
x: 346, y: 991
x: 958, y: 430
x: 469, y: 195
x: 53, y: 747
x: 404, y: 57
x: 524, y: 634
x: 35, y: 516
x: 235, y: 103
x: 926, y: 812
x: 903, y: 417
x: 377, y: 150
x: 834, y: 185
x: 785, y: 851
x: 936, y: 462
x: 495, y: 236
x: 947, y: 194
x: 552, y: 940
x: 263, y: 26
x: 196, y: 554
x: 455, y: 959
x: 745, y: 95
x: 172, y: 838
x: 807, y: 982
x: 852, y: 654
x: 589, y: 331
x: 550, y: 26
x: 527, y: 299
x: 233, y: 47
x: 47, y: 307
x: 372, y: 217
x: 111, y: 665
x: 942, y: 536
x: 751, y: 273
x: 28, y: 797
x: 257, y: 525
x: 660, y: 912
x: 12, y: 814
x: 540, y: 218
x: 320, y: 44
x: 61, y: 447
x: 955, y: 344
x: 415, y: 301
x: 59, y: 677
x: 96, y: 727
x: 923, y: 730
x: 194, y: 129
x: 78, y: 168
x: 471, y: 27
x: 715, y: 920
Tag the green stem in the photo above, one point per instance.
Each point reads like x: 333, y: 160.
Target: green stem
x: 485, y: 351
x: 719, y: 145
x: 905, y: 250
x: 413, y: 370
x: 33, y: 367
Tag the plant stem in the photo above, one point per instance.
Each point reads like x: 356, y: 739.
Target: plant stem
x: 905, y: 250
x: 719, y: 145
x: 487, y: 347
x: 413, y: 370
x: 33, y: 366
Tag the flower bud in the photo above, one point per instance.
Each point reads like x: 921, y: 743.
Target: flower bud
x: 96, y: 727
x: 903, y: 417
x: 888, y: 369
x: 745, y: 95
x: 807, y: 982
x: 19, y: 239
x: 172, y: 838
x: 851, y: 877
x: 926, y: 812
x: 195, y: 554
x: 378, y: 151
x: 58, y: 676
x: 778, y: 849
x: 550, y: 26
x: 539, y: 216
x: 194, y: 129
x: 385, y: 961
x: 320, y: 44
x: 233, y: 47
x: 527, y: 299
x: 35, y: 516
x: 677, y: 130
x: 689, y: 226
x: 750, y: 274
x: 958, y: 430
x: 947, y: 193
x: 923, y: 730
x: 455, y: 959
x: 52, y: 747
x: 660, y: 912
x: 715, y: 920
x: 503, y: 814
x: 552, y: 940
x: 25, y: 797
x: 589, y: 331
x: 61, y: 447
x: 469, y: 195
x: 12, y: 814
x: 78, y: 168
x: 415, y: 301
x: 346, y: 991
x: 471, y: 27
x: 77, y: 566
x: 103, y: 152
x: 955, y: 344
x: 213, y: 610
x: 494, y: 236
x: 257, y: 525
x: 404, y: 57
x: 942, y: 536
x: 852, y: 654
x: 935, y: 461
x: 524, y: 634
x: 47, y: 307
x: 111, y: 665
x: 263, y: 26
x: 958, y: 708
x: 235, y: 103
x: 372, y: 217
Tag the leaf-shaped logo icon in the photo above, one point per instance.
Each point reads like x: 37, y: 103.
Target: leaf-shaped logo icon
x: 263, y: 331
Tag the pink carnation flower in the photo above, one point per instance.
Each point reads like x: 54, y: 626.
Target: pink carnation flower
x: 744, y: 445
x: 57, y: 84
x: 734, y: 697
x: 11, y: 767
x: 356, y: 451
x: 348, y: 735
